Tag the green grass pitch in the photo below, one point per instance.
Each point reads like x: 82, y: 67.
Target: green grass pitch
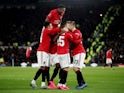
x: 17, y: 79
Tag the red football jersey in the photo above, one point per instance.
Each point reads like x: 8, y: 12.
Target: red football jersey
x: 54, y: 17
x: 53, y: 45
x: 64, y: 41
x: 109, y: 54
x: 53, y: 48
x: 46, y: 39
x: 77, y: 48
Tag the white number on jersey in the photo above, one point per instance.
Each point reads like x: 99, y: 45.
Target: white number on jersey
x: 60, y: 41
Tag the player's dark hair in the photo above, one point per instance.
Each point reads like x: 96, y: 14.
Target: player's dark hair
x: 62, y: 26
x: 46, y: 24
x: 71, y: 22
x: 68, y: 21
x: 61, y: 6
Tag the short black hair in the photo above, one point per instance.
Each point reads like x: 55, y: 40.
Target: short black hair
x: 61, y: 6
x: 71, y: 22
x: 63, y: 24
x: 68, y: 21
x: 46, y: 24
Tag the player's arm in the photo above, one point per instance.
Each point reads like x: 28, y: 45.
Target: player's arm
x: 54, y: 31
x: 60, y: 21
x: 75, y: 35
x: 49, y: 17
x: 63, y: 30
x: 78, y: 41
x: 47, y: 20
x: 57, y: 36
x: 72, y: 39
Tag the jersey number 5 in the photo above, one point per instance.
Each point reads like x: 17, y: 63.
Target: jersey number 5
x: 60, y: 41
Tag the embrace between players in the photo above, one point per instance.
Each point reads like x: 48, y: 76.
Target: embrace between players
x: 54, y: 49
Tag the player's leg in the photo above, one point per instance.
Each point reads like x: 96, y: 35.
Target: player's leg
x: 57, y: 67
x: 63, y: 79
x: 64, y: 63
x: 60, y: 73
x: 111, y: 65
x: 45, y: 68
x: 47, y: 74
x: 43, y: 85
x: 60, y: 76
x: 65, y: 73
x: 78, y: 64
x: 80, y: 79
x: 109, y: 62
x: 54, y: 61
x: 38, y: 73
x: 33, y: 82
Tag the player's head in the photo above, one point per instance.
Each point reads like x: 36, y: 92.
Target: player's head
x: 61, y: 9
x: 70, y: 25
x: 64, y: 27
x: 110, y: 49
x: 47, y: 25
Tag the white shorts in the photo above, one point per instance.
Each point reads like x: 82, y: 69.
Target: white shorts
x: 53, y: 59
x: 43, y: 58
x: 78, y: 60
x: 64, y: 60
x: 108, y: 60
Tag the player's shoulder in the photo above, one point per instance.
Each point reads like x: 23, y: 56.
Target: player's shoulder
x: 77, y: 30
x: 66, y: 33
x: 69, y: 34
x: 46, y: 30
x: 53, y: 11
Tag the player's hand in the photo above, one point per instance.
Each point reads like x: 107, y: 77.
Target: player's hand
x: 65, y: 29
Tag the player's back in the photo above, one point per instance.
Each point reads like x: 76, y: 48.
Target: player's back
x: 77, y: 48
x: 45, y: 43
x: 53, y: 45
x: 46, y: 38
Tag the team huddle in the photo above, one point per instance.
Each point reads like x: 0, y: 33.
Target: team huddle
x: 57, y: 43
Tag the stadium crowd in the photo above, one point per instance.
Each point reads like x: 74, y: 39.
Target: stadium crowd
x: 24, y: 24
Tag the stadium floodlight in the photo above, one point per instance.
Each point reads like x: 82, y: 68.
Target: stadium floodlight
x: 100, y: 15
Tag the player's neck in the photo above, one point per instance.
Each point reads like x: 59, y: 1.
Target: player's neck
x: 73, y: 29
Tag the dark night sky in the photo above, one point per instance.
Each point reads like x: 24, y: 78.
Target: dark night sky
x: 31, y: 14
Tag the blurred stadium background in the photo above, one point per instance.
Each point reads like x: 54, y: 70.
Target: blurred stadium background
x: 101, y: 23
